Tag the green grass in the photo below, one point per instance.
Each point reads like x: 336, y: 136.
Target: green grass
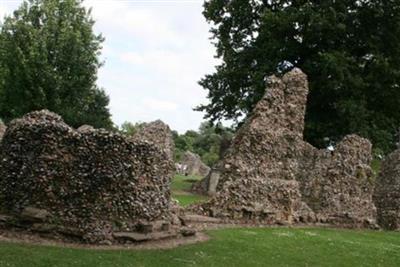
x: 376, y: 165
x: 186, y: 200
x: 231, y: 247
x: 181, y: 190
x: 183, y: 183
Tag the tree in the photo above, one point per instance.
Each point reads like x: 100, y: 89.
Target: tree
x: 183, y: 143
x: 350, y: 51
x: 49, y: 57
x: 207, y: 142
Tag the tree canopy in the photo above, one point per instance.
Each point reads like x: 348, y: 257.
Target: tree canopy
x: 208, y: 142
x: 49, y: 58
x: 350, y: 51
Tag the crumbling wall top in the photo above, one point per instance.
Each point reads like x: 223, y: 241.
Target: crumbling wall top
x: 158, y: 133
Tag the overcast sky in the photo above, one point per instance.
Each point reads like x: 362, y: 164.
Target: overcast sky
x: 155, y: 52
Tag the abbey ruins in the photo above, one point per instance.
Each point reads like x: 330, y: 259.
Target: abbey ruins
x: 92, y: 184
x: 103, y: 187
x: 271, y: 175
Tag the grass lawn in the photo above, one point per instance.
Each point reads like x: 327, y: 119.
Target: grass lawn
x: 231, y: 247
x: 180, y: 187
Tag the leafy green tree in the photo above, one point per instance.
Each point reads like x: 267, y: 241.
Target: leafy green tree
x: 350, y: 51
x: 184, y: 143
x: 49, y: 58
x: 207, y: 142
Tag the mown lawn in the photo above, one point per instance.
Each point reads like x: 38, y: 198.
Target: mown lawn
x: 231, y: 247
x: 180, y: 187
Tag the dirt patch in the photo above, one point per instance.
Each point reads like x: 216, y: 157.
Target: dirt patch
x: 182, y: 193
x: 35, y: 239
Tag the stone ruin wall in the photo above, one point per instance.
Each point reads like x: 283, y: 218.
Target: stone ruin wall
x: 266, y: 201
x: 120, y: 185
x: 387, y: 192
x: 338, y: 186
x: 158, y: 133
x: 207, y: 185
x: 91, y: 184
x: 269, y: 148
x: 194, y: 165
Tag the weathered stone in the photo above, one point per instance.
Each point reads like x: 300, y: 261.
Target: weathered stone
x: 195, y: 218
x: 145, y: 228
x: 34, y: 215
x: 193, y: 165
x: 158, y: 133
x: 258, y: 200
x: 105, y: 243
x: 154, y: 226
x: 188, y: 232
x: 5, y: 218
x: 270, y: 143
x: 139, y: 237
x: 3, y: 129
x: 85, y: 180
x: 208, y: 184
x: 43, y: 227
x: 387, y: 193
x: 268, y: 148
x: 70, y: 231
x: 338, y: 185
x: 85, y: 128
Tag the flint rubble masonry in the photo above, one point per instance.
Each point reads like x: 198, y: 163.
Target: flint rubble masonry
x: 194, y: 165
x: 159, y: 134
x: 268, y: 162
x: 89, y: 183
x: 387, y: 192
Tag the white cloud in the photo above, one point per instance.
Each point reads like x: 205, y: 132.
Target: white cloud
x: 135, y: 19
x: 159, y: 105
x: 132, y: 58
